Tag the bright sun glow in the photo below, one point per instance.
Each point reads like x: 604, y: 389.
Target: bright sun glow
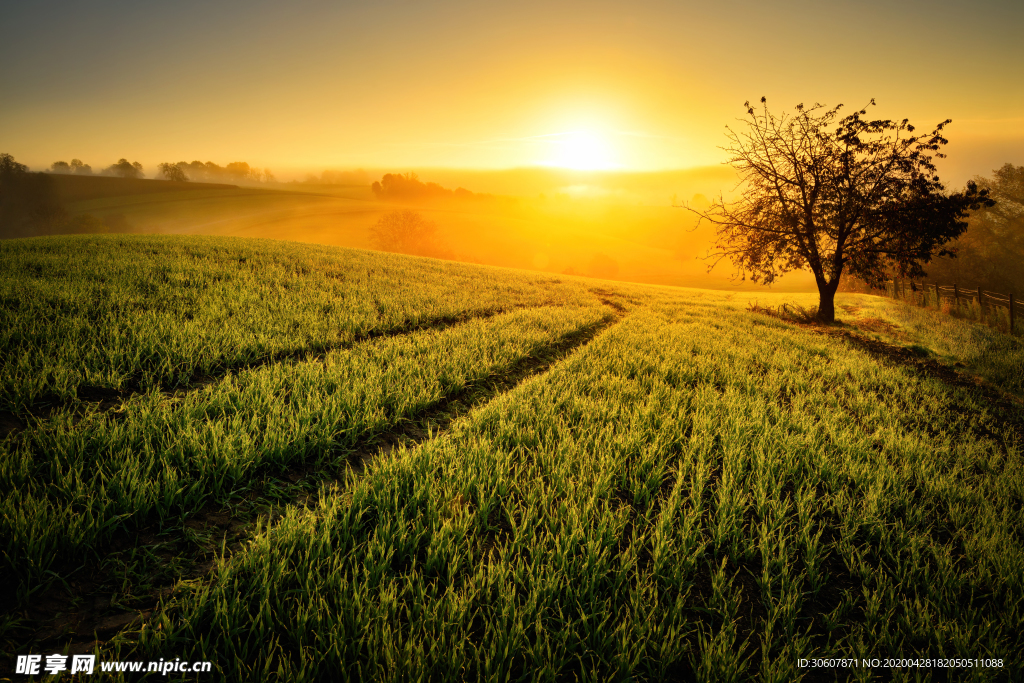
x: 580, y: 150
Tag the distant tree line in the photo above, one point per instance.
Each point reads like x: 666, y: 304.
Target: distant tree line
x: 236, y: 171
x: 182, y: 171
x: 76, y: 167
x: 408, y: 187
x: 121, y: 169
x: 990, y: 253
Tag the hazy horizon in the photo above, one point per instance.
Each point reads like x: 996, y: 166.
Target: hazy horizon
x: 453, y: 85
x: 593, y: 116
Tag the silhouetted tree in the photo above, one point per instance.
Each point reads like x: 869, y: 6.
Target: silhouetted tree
x: 238, y: 170
x: 990, y: 254
x: 175, y: 172
x: 408, y: 187
x: 195, y: 170
x: 10, y: 168
x: 210, y: 172
x: 79, y: 168
x: 125, y: 169
x: 834, y: 195
x: 406, y: 232
x: 76, y: 166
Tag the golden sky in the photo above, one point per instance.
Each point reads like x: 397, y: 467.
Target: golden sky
x: 413, y: 84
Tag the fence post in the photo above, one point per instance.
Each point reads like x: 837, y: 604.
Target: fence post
x: 1011, y: 313
x: 956, y: 296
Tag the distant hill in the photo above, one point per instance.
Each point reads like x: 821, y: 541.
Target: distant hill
x: 76, y: 188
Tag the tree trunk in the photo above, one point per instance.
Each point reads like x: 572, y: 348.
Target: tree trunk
x: 827, y: 303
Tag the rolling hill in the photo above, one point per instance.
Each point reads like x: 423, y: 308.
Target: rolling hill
x: 303, y: 462
x: 566, y: 230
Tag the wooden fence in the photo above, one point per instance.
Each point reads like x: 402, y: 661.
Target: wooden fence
x: 992, y: 307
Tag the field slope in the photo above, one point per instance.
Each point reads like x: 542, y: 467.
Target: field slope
x: 315, y: 463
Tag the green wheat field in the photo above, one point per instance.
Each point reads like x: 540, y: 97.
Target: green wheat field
x: 307, y: 463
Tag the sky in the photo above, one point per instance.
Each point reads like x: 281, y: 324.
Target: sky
x: 312, y: 85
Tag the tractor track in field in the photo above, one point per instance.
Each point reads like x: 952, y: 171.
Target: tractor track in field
x: 97, y: 399
x: 93, y: 616
x: 437, y: 419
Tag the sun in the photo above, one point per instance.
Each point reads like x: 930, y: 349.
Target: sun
x: 580, y: 149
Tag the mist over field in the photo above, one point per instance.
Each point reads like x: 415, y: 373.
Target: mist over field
x: 616, y: 225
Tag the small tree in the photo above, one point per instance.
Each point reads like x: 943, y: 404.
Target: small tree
x: 175, y: 172
x: 405, y: 232
x: 238, y: 170
x: 830, y: 194
x: 80, y: 168
x: 196, y: 170
x: 125, y: 169
x: 990, y: 254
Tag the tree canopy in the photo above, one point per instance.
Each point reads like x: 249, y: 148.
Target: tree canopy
x: 833, y: 194
x: 408, y: 187
x: 235, y: 171
x: 76, y: 166
x: 406, y: 232
x: 990, y: 254
x: 174, y: 172
x: 125, y: 169
x: 80, y: 168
